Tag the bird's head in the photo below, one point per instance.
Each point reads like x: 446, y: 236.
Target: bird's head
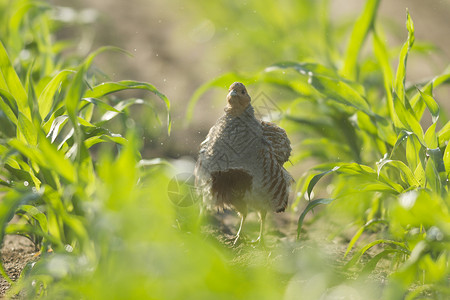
x: 238, y: 99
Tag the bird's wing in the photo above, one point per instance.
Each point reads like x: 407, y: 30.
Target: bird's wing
x: 201, y: 171
x: 278, y: 141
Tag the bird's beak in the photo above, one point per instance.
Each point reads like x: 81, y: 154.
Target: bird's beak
x: 233, y: 93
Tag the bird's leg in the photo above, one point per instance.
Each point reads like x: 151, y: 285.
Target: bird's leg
x: 238, y: 234
x: 262, y: 218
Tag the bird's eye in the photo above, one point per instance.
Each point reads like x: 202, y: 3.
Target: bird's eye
x: 243, y: 92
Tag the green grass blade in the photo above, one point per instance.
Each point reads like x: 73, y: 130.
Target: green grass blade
x: 360, y: 232
x: 327, y: 83
x: 362, y: 27
x: 112, y: 87
x: 12, y: 81
x: 8, y: 206
x: 402, y: 137
x: 355, y: 169
x: 119, y: 107
x: 105, y: 138
x: 415, y: 154
x: 316, y: 179
x: 32, y: 99
x: 400, y: 77
x: 446, y: 159
x: 56, y: 161
x: 85, y: 123
x: 341, y: 92
x: 381, y: 53
x: 16, y: 172
x: 47, y: 157
x: 78, y: 86
x: 401, y: 167
x: 26, y: 230
x: 305, y: 69
x: 72, y: 101
x: 370, y: 266
x: 435, y: 171
x: 100, y: 103
x: 310, y: 206
x: 33, y: 212
x: 45, y: 99
x: 427, y: 89
x: 354, y: 240
x: 431, y: 139
x: 58, y: 123
x: 407, y: 118
x: 444, y: 134
x: 396, y: 245
x: 432, y: 105
x: 26, y: 131
x: 7, y: 106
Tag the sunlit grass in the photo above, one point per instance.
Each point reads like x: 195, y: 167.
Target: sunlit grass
x: 388, y: 167
x: 103, y: 220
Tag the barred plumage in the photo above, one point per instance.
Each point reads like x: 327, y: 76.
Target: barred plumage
x: 240, y: 163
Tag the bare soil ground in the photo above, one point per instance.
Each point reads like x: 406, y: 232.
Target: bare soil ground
x: 16, y: 252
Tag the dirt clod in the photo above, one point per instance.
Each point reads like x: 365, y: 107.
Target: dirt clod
x: 16, y: 252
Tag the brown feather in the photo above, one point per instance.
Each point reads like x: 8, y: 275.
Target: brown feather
x: 229, y: 188
x: 241, y: 161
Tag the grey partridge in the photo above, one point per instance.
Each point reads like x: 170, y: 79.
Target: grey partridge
x: 240, y: 163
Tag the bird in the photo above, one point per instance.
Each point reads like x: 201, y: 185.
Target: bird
x: 240, y: 163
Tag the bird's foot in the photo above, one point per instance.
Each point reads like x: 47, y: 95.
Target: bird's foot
x: 258, y: 242
x: 237, y: 239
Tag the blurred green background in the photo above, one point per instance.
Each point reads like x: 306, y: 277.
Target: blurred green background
x: 178, y: 46
x: 87, y: 158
